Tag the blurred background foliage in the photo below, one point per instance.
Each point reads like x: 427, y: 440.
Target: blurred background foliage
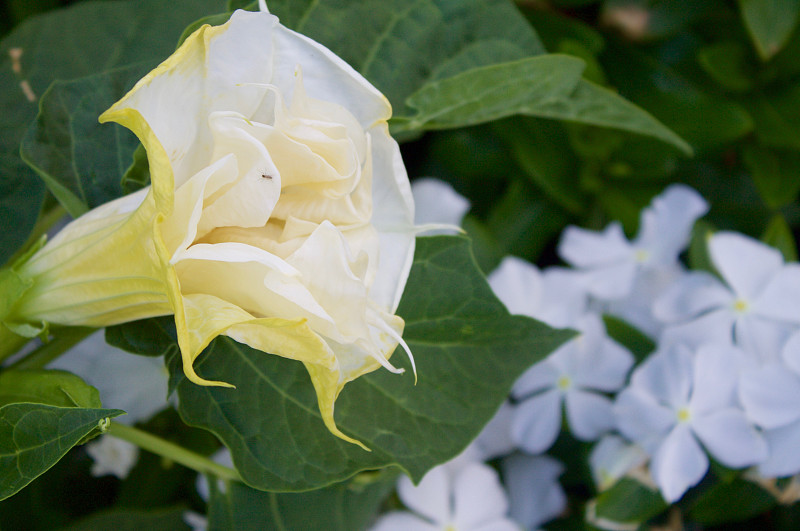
x: 723, y: 74
x: 716, y: 72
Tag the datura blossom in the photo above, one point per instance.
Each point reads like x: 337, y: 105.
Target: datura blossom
x: 279, y: 212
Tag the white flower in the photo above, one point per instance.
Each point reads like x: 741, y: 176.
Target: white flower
x: 757, y: 306
x: 554, y: 296
x: 610, y: 264
x: 112, y: 456
x: 613, y: 457
x: 467, y: 498
x: 437, y: 204
x: 534, y: 492
x: 493, y: 441
x: 197, y: 522
x: 674, y: 400
x: 771, y: 398
x: 279, y: 212
x: 222, y: 457
x: 135, y: 384
x: 578, y: 374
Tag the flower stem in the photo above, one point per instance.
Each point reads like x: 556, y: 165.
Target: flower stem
x: 65, y: 340
x: 172, y: 451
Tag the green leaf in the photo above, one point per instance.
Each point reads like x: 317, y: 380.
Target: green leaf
x: 124, y: 519
x: 698, y: 255
x: 33, y: 437
x: 776, y: 117
x: 149, y: 337
x: 775, y: 174
x: 82, y: 162
x: 541, y: 149
x: 485, y: 248
x: 547, y: 86
x: 348, y: 506
x: 554, y: 28
x: 629, y: 337
x: 731, y: 501
x: 51, y: 387
x: 63, y: 44
x: 491, y: 92
x: 523, y: 223
x: 21, y: 197
x: 629, y: 501
x: 770, y: 23
x: 728, y: 64
x: 468, y: 350
x: 779, y: 235
x: 705, y: 121
x: 384, y: 38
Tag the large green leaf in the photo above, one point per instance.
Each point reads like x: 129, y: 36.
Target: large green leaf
x: 547, y: 86
x: 731, y: 501
x: 86, y: 163
x: 128, y: 519
x: 348, y: 506
x: 21, y: 196
x: 629, y: 501
x: 468, y: 351
x: 81, y: 161
x: 52, y: 387
x: 33, y: 437
x: 64, y: 44
x: 487, y: 93
x: 770, y: 23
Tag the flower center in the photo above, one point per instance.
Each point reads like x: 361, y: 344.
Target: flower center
x: 642, y: 255
x: 684, y: 415
x: 740, y: 306
x: 564, y: 383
